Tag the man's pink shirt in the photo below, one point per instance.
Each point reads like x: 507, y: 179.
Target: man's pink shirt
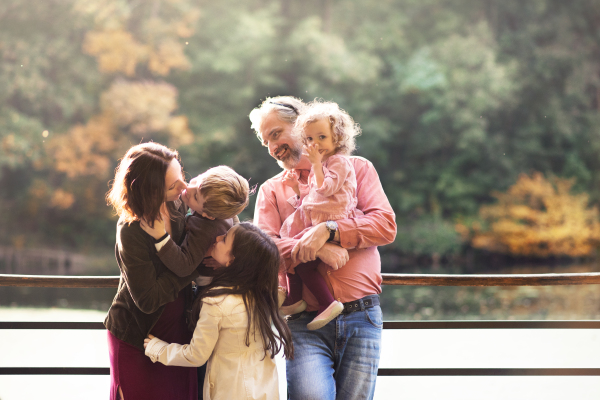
x: 361, y: 276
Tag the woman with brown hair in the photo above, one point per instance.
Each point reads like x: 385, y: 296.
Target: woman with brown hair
x: 150, y: 298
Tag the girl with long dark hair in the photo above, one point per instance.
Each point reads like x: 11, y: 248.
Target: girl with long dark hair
x: 238, y: 329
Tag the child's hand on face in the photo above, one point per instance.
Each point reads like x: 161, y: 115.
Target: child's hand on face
x: 157, y: 232
x: 290, y: 178
x: 147, y: 340
x: 312, y: 152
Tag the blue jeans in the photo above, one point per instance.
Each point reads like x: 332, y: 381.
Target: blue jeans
x: 338, y: 361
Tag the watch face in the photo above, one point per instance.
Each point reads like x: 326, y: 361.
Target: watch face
x: 331, y: 225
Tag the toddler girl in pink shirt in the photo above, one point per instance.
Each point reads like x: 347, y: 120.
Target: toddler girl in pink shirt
x: 328, y: 134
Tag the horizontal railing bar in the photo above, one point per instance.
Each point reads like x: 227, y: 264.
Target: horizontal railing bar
x: 575, y: 324
x: 592, y: 278
x: 381, y: 372
x: 51, y: 325
x: 489, y: 372
x: 54, y: 371
x: 557, y: 324
x: 59, y: 281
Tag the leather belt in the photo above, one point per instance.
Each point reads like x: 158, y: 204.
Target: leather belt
x: 361, y: 304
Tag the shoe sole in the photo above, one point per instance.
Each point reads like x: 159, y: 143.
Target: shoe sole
x: 318, y: 324
x: 288, y: 310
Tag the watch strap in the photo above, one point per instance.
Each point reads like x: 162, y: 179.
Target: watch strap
x: 331, y: 236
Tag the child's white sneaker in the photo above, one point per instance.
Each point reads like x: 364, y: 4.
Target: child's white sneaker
x: 327, y: 315
x: 294, y: 308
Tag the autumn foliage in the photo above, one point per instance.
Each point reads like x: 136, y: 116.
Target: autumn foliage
x: 132, y: 109
x: 536, y: 217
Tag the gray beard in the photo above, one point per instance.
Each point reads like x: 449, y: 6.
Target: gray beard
x: 293, y: 159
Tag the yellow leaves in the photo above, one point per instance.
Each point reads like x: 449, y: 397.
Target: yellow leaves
x: 42, y: 195
x: 119, y: 51
x: 155, y: 39
x: 169, y: 55
x: 128, y: 108
x: 39, y: 190
x: 184, y: 27
x: 62, y: 199
x: 539, y: 218
x: 115, y: 50
x: 145, y: 107
x: 8, y: 142
x: 140, y: 107
x: 108, y: 14
x: 180, y: 131
x: 84, y: 149
x: 125, y: 42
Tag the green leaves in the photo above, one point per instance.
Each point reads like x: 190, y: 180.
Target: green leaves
x: 455, y: 99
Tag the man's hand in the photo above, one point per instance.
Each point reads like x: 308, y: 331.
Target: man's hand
x: 306, y: 249
x: 333, y: 255
x: 157, y: 232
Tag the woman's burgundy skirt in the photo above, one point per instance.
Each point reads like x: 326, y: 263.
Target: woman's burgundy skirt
x: 138, y: 377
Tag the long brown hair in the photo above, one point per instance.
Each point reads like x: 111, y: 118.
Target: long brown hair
x: 138, y: 189
x: 253, y: 275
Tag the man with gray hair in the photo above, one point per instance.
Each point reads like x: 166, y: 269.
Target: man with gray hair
x: 340, y: 360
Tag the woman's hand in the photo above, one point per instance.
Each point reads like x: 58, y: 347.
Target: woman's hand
x: 157, y: 232
x: 148, y: 339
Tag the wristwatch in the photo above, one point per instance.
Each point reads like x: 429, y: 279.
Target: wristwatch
x: 332, y: 227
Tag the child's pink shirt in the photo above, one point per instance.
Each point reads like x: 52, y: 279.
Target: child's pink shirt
x: 335, y: 199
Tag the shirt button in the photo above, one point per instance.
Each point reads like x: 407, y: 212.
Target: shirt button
x: 348, y: 243
x: 339, y: 299
x: 328, y: 272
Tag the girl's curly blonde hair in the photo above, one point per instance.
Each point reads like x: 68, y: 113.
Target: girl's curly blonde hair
x: 343, y: 127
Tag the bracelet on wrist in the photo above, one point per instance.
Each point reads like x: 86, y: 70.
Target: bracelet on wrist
x: 163, y: 237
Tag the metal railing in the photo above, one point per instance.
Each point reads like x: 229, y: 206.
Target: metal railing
x: 388, y: 279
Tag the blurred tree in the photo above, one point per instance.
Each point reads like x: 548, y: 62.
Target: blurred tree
x: 456, y: 99
x: 537, y: 217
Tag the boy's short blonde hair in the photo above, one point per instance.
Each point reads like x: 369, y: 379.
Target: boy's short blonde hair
x: 343, y: 128
x: 225, y: 192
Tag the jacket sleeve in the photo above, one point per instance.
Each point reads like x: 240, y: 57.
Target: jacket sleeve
x: 148, y: 289
x: 377, y: 227
x: 201, y: 234
x: 201, y: 346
